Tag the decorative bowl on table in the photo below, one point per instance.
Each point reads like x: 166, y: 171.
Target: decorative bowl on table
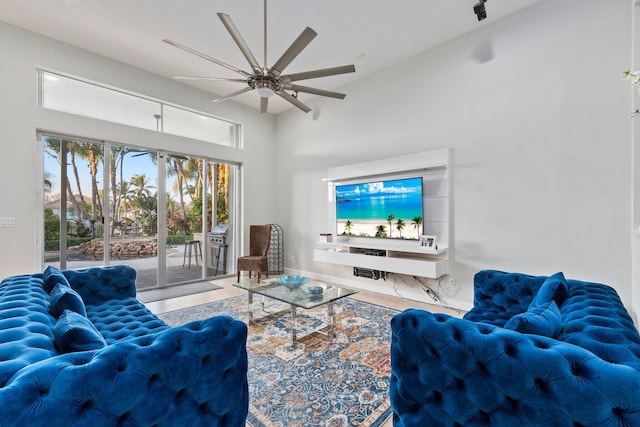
x: 292, y: 282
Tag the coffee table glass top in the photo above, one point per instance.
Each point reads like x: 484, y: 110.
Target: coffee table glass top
x: 300, y: 297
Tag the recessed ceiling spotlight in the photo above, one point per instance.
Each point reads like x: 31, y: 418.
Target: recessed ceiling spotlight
x: 480, y: 10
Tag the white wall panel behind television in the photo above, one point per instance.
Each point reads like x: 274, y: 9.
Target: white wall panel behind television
x: 432, y: 166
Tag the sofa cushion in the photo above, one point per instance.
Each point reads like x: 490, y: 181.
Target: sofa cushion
x: 542, y: 320
x: 99, y: 284
x: 64, y: 298
x: 122, y: 319
x: 595, y: 318
x: 74, y: 332
x: 51, y: 277
x: 554, y: 288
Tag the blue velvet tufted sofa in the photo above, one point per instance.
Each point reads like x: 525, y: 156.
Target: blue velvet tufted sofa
x: 533, y: 351
x: 78, y: 349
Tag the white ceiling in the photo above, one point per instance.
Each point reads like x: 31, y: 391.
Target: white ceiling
x: 372, y: 34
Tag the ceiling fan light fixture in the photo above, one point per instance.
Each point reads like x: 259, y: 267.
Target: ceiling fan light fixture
x: 266, y: 86
x: 265, y: 90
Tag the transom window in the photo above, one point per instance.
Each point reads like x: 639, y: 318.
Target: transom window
x: 75, y: 96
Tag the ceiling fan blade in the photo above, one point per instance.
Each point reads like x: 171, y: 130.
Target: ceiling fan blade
x: 264, y: 101
x: 314, y: 91
x: 242, y: 44
x: 325, y: 72
x: 205, y: 56
x: 221, y: 79
x: 294, y: 50
x: 231, y: 95
x: 294, y: 101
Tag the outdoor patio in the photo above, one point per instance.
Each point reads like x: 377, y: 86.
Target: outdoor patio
x: 147, y: 267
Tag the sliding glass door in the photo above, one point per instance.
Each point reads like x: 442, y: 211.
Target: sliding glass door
x: 133, y: 219
x: 198, y: 213
x: 115, y: 204
x: 73, y: 201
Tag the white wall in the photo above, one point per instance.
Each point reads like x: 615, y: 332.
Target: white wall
x: 635, y: 131
x: 21, y: 52
x: 537, y: 118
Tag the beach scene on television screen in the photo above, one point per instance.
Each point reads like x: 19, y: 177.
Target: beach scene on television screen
x: 384, y: 209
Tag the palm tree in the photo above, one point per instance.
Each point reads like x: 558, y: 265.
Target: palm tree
x: 126, y: 196
x: 347, y: 227
x: 400, y: 225
x: 140, y: 184
x: 118, y: 154
x: 222, y: 214
x: 82, y: 210
x: 417, y: 222
x: 94, y: 155
x: 193, y: 170
x: 390, y: 219
x: 54, y: 150
x: 175, y: 167
x: 48, y: 184
x: 381, y: 231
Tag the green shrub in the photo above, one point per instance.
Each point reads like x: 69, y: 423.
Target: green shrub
x: 179, y: 239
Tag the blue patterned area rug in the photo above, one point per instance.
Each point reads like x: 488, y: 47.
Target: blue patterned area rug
x: 342, y: 382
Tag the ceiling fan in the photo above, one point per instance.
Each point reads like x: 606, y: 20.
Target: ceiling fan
x: 268, y: 81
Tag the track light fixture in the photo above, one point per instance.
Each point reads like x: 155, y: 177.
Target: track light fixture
x: 480, y: 10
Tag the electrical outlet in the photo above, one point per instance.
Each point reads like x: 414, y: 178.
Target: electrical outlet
x: 7, y: 222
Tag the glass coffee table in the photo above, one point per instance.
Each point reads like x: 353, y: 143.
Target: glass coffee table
x: 297, y: 298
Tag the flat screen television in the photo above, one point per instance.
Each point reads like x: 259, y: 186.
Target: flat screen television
x: 389, y: 209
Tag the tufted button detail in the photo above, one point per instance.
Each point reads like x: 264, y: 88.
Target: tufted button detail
x: 617, y: 412
x: 87, y: 405
x: 541, y: 384
x: 484, y: 330
x: 82, y: 361
x: 510, y: 349
x: 576, y: 369
x: 541, y: 345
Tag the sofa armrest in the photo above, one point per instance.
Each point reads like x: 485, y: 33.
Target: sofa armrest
x: 193, y: 375
x: 98, y: 284
x: 447, y: 371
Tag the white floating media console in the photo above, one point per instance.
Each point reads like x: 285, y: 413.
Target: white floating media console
x: 393, y: 258
x: 395, y: 255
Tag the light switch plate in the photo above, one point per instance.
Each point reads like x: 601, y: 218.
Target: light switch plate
x: 7, y: 221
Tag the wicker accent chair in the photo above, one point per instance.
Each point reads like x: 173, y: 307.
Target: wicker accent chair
x: 259, y: 241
